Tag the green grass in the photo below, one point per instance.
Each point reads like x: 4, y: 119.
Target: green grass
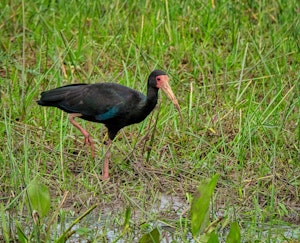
x: 235, y: 70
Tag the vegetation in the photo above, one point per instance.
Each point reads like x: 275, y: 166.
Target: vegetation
x: 234, y: 66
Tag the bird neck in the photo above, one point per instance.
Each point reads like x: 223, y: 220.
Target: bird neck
x: 152, y: 96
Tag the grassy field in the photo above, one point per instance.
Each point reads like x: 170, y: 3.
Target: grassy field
x: 234, y: 67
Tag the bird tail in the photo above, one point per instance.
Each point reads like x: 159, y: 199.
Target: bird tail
x: 54, y: 96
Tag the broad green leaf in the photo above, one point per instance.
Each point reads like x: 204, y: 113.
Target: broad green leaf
x: 39, y: 197
x: 213, y: 238
x: 200, y: 206
x: 234, y: 235
x: 151, y: 237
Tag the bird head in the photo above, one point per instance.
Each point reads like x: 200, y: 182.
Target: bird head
x: 160, y: 80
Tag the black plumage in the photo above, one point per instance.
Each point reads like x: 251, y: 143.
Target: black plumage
x: 112, y: 104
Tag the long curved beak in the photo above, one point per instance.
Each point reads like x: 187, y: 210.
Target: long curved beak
x: 168, y: 91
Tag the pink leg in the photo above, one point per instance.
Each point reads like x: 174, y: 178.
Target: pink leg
x: 87, y: 138
x: 106, y: 161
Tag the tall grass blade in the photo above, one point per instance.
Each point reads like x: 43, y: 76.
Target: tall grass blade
x: 69, y: 232
x: 21, y: 234
x: 5, y: 232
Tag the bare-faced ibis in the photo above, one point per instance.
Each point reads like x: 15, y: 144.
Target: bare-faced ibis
x: 113, y: 104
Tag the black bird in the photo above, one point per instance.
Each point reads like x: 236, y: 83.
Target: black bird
x: 113, y: 104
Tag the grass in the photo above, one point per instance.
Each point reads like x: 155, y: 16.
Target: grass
x: 235, y: 70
